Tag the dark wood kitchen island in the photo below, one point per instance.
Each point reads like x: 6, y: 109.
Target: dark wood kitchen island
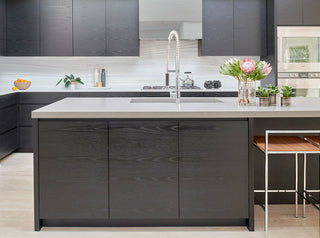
x: 117, y: 162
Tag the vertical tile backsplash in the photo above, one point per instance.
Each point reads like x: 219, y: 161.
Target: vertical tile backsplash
x: 123, y: 72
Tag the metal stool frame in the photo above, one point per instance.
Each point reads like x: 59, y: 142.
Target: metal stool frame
x: 266, y: 191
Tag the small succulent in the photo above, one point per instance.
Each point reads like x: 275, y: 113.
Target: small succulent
x: 287, y: 92
x: 263, y: 92
x: 273, y: 89
x: 69, y: 79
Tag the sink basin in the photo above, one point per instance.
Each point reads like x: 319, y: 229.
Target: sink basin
x: 172, y: 100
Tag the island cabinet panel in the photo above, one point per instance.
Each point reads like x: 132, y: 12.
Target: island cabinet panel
x: 73, y: 165
x: 143, y: 169
x: 213, y: 173
x: 23, y: 35
x: 89, y: 28
x: 122, y: 21
x: 56, y: 27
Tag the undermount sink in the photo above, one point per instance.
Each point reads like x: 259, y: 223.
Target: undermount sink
x: 173, y: 100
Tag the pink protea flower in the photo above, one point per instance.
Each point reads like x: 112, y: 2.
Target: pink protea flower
x: 266, y: 70
x: 247, y: 66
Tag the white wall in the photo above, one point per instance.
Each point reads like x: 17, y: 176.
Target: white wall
x: 124, y: 72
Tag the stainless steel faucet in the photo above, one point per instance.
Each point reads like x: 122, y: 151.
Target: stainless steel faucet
x: 177, y: 64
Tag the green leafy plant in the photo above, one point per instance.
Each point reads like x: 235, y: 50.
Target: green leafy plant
x: 263, y: 92
x: 273, y: 89
x: 287, y: 92
x: 69, y: 79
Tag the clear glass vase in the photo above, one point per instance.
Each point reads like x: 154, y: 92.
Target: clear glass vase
x: 247, y: 92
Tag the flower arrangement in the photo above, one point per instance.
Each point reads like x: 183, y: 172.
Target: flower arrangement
x: 246, y: 69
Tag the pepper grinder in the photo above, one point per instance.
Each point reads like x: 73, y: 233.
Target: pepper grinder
x: 103, y: 77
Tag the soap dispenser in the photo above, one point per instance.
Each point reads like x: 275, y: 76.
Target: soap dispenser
x: 103, y: 77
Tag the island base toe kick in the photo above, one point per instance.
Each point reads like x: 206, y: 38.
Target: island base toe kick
x: 142, y: 172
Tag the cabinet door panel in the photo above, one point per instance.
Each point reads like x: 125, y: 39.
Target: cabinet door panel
x: 217, y: 27
x: 289, y: 13
x: 73, y: 160
x: 143, y: 170
x: 122, y: 21
x: 8, y: 143
x: 213, y: 170
x: 89, y: 28
x: 2, y: 27
x: 8, y: 118
x: 250, y: 16
x: 23, y: 36
x: 311, y: 14
x: 56, y: 27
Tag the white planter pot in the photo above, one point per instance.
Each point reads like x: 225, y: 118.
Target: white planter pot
x: 73, y: 86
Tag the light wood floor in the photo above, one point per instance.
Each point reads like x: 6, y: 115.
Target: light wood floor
x: 16, y: 215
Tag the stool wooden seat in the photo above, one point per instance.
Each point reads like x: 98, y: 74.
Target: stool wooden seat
x: 315, y: 140
x: 284, y: 144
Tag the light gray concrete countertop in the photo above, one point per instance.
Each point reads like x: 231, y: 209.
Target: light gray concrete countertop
x: 123, y: 108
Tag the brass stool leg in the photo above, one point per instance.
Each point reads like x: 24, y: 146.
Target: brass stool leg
x: 304, y: 185
x: 296, y: 193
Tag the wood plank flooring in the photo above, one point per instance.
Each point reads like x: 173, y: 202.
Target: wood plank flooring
x: 16, y: 215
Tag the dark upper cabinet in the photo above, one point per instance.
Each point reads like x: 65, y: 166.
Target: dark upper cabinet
x: 56, y: 27
x: 311, y: 15
x: 289, y: 12
x: 250, y: 33
x: 217, y: 24
x: 298, y: 12
x: 89, y: 27
x: 2, y: 27
x: 213, y: 169
x: 23, y: 35
x: 143, y: 165
x: 234, y: 27
x: 122, y: 21
x: 74, y: 178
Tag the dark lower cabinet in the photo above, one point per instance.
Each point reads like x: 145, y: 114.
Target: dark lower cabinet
x: 311, y: 16
x: 122, y: 21
x: 89, y: 27
x: 213, y: 169
x: 23, y: 34
x: 73, y: 165
x: 56, y: 28
x: 143, y: 160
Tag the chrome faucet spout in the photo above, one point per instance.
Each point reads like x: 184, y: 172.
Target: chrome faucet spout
x: 174, y: 34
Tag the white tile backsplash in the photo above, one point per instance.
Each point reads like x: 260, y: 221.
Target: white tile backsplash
x: 148, y: 69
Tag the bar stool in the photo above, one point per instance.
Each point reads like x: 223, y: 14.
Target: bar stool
x: 283, y: 145
x: 315, y: 140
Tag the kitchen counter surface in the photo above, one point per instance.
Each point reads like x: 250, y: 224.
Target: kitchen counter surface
x: 123, y: 108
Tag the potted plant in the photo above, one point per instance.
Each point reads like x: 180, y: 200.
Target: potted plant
x: 286, y: 93
x: 273, y: 91
x: 70, y: 81
x: 247, y: 72
x: 264, y: 99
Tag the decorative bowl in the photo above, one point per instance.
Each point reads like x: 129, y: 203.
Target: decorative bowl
x: 22, y: 86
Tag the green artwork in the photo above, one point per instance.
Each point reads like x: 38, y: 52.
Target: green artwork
x: 299, y: 54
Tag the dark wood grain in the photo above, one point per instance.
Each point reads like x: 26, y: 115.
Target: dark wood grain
x: 2, y: 27
x: 25, y: 113
x: 213, y: 169
x: 36, y: 200
x: 250, y: 16
x: 122, y: 21
x: 25, y: 139
x: 44, y: 97
x: 73, y: 165
x: 311, y: 16
x: 289, y: 13
x: 217, y: 27
x: 8, y: 118
x: 143, y: 169
x: 56, y: 28
x: 23, y: 35
x: 8, y: 100
x: 89, y: 27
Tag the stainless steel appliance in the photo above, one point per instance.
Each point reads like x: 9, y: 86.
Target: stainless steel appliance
x: 299, y: 59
